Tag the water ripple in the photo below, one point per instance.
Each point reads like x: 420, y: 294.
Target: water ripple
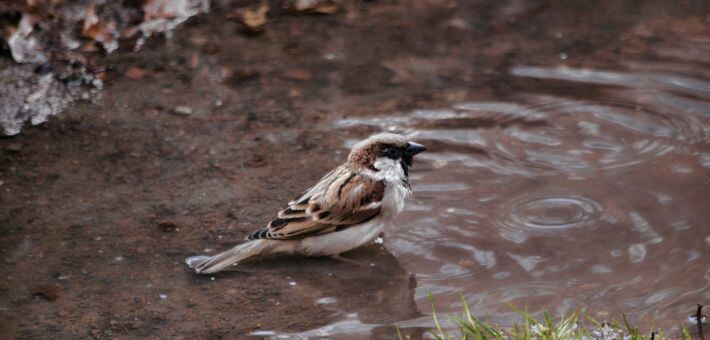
x: 541, y: 214
x: 515, y: 185
x: 546, y: 135
x: 671, y: 81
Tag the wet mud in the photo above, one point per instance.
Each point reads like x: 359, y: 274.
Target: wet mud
x: 568, y: 170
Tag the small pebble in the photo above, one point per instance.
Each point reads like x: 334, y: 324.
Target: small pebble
x: 326, y: 300
x: 263, y: 333
x: 163, y: 296
x: 182, y: 110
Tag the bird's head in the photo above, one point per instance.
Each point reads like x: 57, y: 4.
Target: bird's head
x: 384, y: 156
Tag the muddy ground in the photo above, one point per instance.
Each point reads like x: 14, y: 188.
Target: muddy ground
x: 100, y: 205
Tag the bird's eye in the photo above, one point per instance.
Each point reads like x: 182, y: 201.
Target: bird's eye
x: 392, y: 152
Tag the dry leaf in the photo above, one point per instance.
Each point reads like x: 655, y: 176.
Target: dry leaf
x: 102, y: 32
x: 90, y: 19
x: 253, y: 18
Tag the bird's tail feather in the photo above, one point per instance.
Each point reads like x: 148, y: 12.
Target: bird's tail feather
x: 213, y: 264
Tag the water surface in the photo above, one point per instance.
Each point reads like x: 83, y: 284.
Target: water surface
x: 583, y: 189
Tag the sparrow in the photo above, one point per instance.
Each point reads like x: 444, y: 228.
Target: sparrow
x: 349, y: 207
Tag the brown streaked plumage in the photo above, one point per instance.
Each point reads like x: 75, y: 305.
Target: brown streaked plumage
x: 347, y: 208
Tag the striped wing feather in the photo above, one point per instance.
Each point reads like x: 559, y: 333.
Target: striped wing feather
x: 341, y: 199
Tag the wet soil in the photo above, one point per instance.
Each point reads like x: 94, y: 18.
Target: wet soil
x: 100, y: 205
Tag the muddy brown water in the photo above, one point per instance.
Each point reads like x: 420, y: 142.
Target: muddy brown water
x: 569, y: 170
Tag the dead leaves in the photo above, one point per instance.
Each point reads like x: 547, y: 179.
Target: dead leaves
x: 47, y: 27
x: 24, y: 45
x: 163, y: 16
x: 254, y: 18
x: 103, y: 32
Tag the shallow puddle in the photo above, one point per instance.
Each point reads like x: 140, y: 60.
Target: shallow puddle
x: 592, y: 200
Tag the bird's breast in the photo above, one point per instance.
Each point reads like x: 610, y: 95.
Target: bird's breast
x: 393, y: 199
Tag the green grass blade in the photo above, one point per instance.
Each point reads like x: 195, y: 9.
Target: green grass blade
x: 441, y: 332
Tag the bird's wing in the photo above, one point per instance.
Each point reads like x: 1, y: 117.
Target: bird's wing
x: 341, y: 199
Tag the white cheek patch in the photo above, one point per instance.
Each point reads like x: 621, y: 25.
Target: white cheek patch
x: 385, y: 164
x: 388, y: 169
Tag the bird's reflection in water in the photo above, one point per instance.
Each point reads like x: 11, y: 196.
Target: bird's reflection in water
x: 367, y: 292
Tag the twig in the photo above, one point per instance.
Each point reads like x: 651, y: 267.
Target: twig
x: 699, y: 321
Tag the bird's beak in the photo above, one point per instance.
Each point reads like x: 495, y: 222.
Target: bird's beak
x: 413, y: 149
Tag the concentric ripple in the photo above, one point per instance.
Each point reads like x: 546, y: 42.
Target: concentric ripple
x: 541, y: 214
x: 583, y: 137
x: 555, y: 213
